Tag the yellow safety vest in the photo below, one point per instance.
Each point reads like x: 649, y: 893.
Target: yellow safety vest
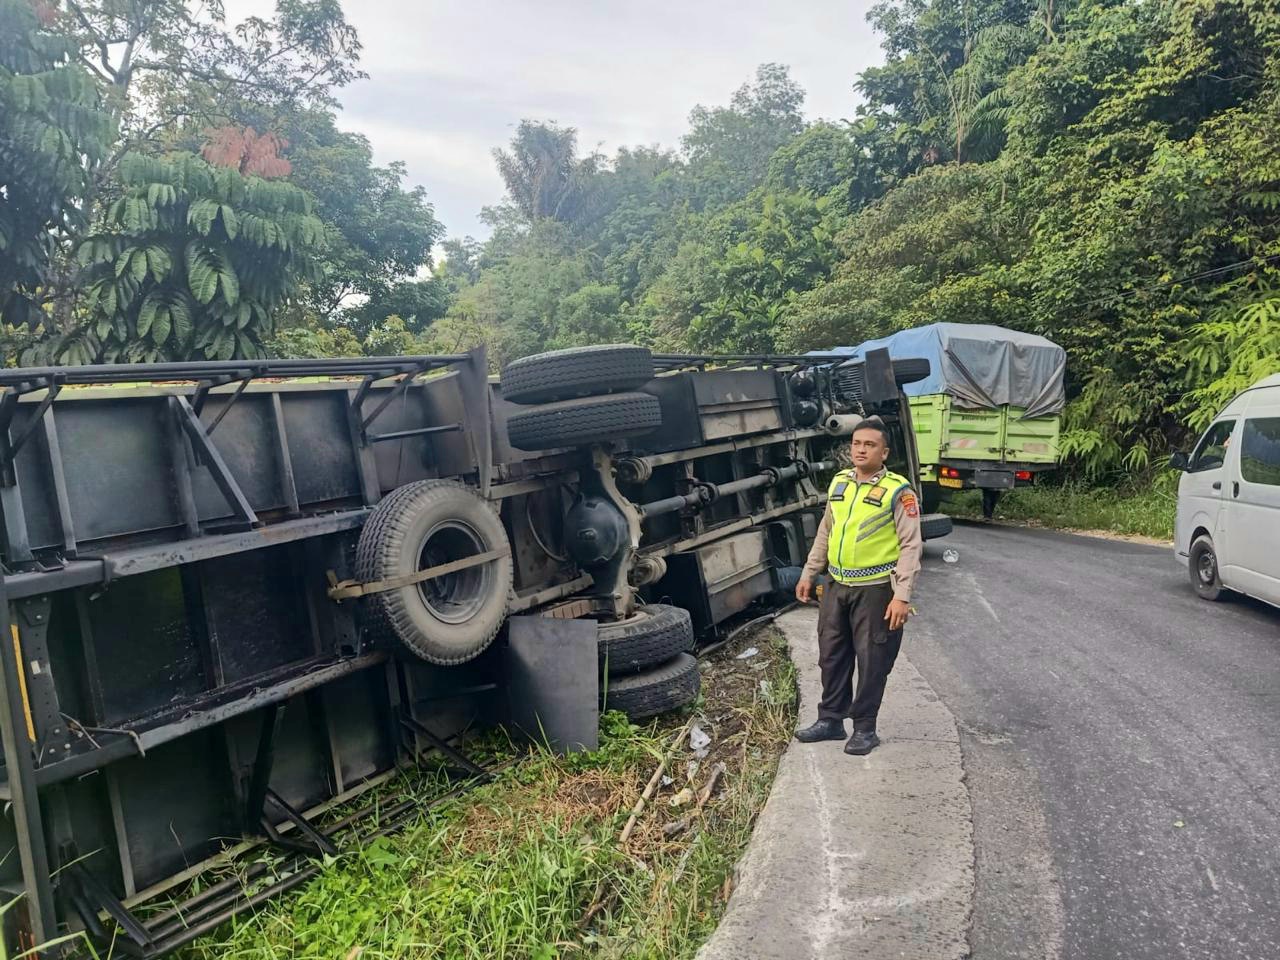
x: 863, y: 545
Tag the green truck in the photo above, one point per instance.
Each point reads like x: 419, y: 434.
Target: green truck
x: 988, y: 415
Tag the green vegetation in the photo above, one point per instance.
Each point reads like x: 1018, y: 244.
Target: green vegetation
x: 531, y: 865
x: 1145, y: 512
x: 1103, y: 172
x: 174, y: 186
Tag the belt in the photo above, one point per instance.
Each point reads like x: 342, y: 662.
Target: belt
x: 856, y: 573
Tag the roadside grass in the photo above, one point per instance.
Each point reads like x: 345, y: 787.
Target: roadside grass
x: 1134, y: 511
x: 530, y: 865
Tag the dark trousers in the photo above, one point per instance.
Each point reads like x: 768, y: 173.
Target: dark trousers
x: 852, y: 630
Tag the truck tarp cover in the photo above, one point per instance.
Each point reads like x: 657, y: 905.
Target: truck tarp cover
x: 980, y: 365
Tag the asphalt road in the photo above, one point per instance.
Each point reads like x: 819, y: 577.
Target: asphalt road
x: 1121, y: 741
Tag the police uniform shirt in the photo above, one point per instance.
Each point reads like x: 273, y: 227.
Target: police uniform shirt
x: 906, y: 520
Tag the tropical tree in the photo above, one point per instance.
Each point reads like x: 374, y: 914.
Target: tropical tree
x: 544, y: 176
x: 728, y: 148
x: 53, y: 133
x: 191, y: 260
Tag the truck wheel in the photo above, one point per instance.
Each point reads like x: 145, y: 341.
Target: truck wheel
x: 663, y: 688
x: 935, y: 525
x: 1204, y: 570
x: 452, y: 618
x: 910, y: 371
x: 571, y: 423
x: 652, y: 635
x: 576, y: 372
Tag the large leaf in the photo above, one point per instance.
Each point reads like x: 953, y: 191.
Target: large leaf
x: 160, y: 328
x: 202, y: 273
x: 184, y: 324
x: 160, y: 263
x: 151, y: 304
x: 228, y: 282
x: 202, y: 214
x: 230, y: 222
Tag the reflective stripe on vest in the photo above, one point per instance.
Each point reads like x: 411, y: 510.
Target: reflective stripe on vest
x: 864, y: 540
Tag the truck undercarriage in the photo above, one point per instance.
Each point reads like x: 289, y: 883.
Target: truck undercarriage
x: 243, y: 593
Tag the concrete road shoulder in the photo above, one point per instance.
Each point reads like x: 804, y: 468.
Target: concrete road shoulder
x: 868, y: 857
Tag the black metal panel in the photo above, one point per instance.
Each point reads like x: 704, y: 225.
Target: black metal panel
x: 300, y: 771
x: 256, y: 616
x: 146, y: 652
x: 246, y: 439
x: 117, y: 465
x: 89, y: 806
x: 681, y: 425
x: 176, y: 805
x: 36, y: 484
x: 323, y: 458
x: 356, y: 714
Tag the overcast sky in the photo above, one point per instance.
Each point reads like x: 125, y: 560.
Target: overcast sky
x: 450, y: 79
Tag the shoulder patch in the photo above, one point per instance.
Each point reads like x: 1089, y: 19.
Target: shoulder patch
x: 909, y: 503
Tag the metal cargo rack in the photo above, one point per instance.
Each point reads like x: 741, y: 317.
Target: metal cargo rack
x: 186, y: 667
x: 166, y: 532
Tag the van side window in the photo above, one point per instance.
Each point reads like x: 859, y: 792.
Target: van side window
x: 1260, y: 451
x: 1211, y: 453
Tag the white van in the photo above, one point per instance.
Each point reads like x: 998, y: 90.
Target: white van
x: 1228, y: 526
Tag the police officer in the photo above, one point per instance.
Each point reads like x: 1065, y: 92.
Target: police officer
x: 869, y: 541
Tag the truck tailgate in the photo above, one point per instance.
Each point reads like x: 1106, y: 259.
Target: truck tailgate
x: 1031, y: 441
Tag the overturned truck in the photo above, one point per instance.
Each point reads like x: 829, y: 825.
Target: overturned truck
x: 240, y: 594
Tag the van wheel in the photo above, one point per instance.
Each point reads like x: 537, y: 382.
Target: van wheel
x: 1204, y: 570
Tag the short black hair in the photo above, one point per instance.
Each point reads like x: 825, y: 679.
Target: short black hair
x: 875, y: 423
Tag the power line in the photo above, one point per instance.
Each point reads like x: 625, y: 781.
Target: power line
x: 1195, y: 277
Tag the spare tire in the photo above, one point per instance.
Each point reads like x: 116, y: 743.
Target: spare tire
x: 658, y: 690
x: 452, y: 618
x: 571, y: 423
x: 652, y: 635
x: 576, y: 372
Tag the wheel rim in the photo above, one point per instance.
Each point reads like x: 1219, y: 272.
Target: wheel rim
x: 1207, y: 568
x: 455, y: 597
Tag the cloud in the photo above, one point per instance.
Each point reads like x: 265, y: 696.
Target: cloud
x: 449, y: 80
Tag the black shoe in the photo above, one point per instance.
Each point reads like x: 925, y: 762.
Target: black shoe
x: 822, y: 730
x: 861, y: 743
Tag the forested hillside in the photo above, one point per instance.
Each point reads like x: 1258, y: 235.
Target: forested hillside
x: 1105, y: 174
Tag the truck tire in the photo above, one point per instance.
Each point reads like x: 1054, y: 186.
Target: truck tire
x: 911, y: 370
x: 652, y: 635
x: 571, y: 423
x: 450, y: 619
x: 576, y: 372
x: 658, y: 690
x: 1203, y: 565
x: 935, y: 525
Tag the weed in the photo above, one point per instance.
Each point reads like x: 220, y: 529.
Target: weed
x: 1143, y: 511
x: 529, y: 865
